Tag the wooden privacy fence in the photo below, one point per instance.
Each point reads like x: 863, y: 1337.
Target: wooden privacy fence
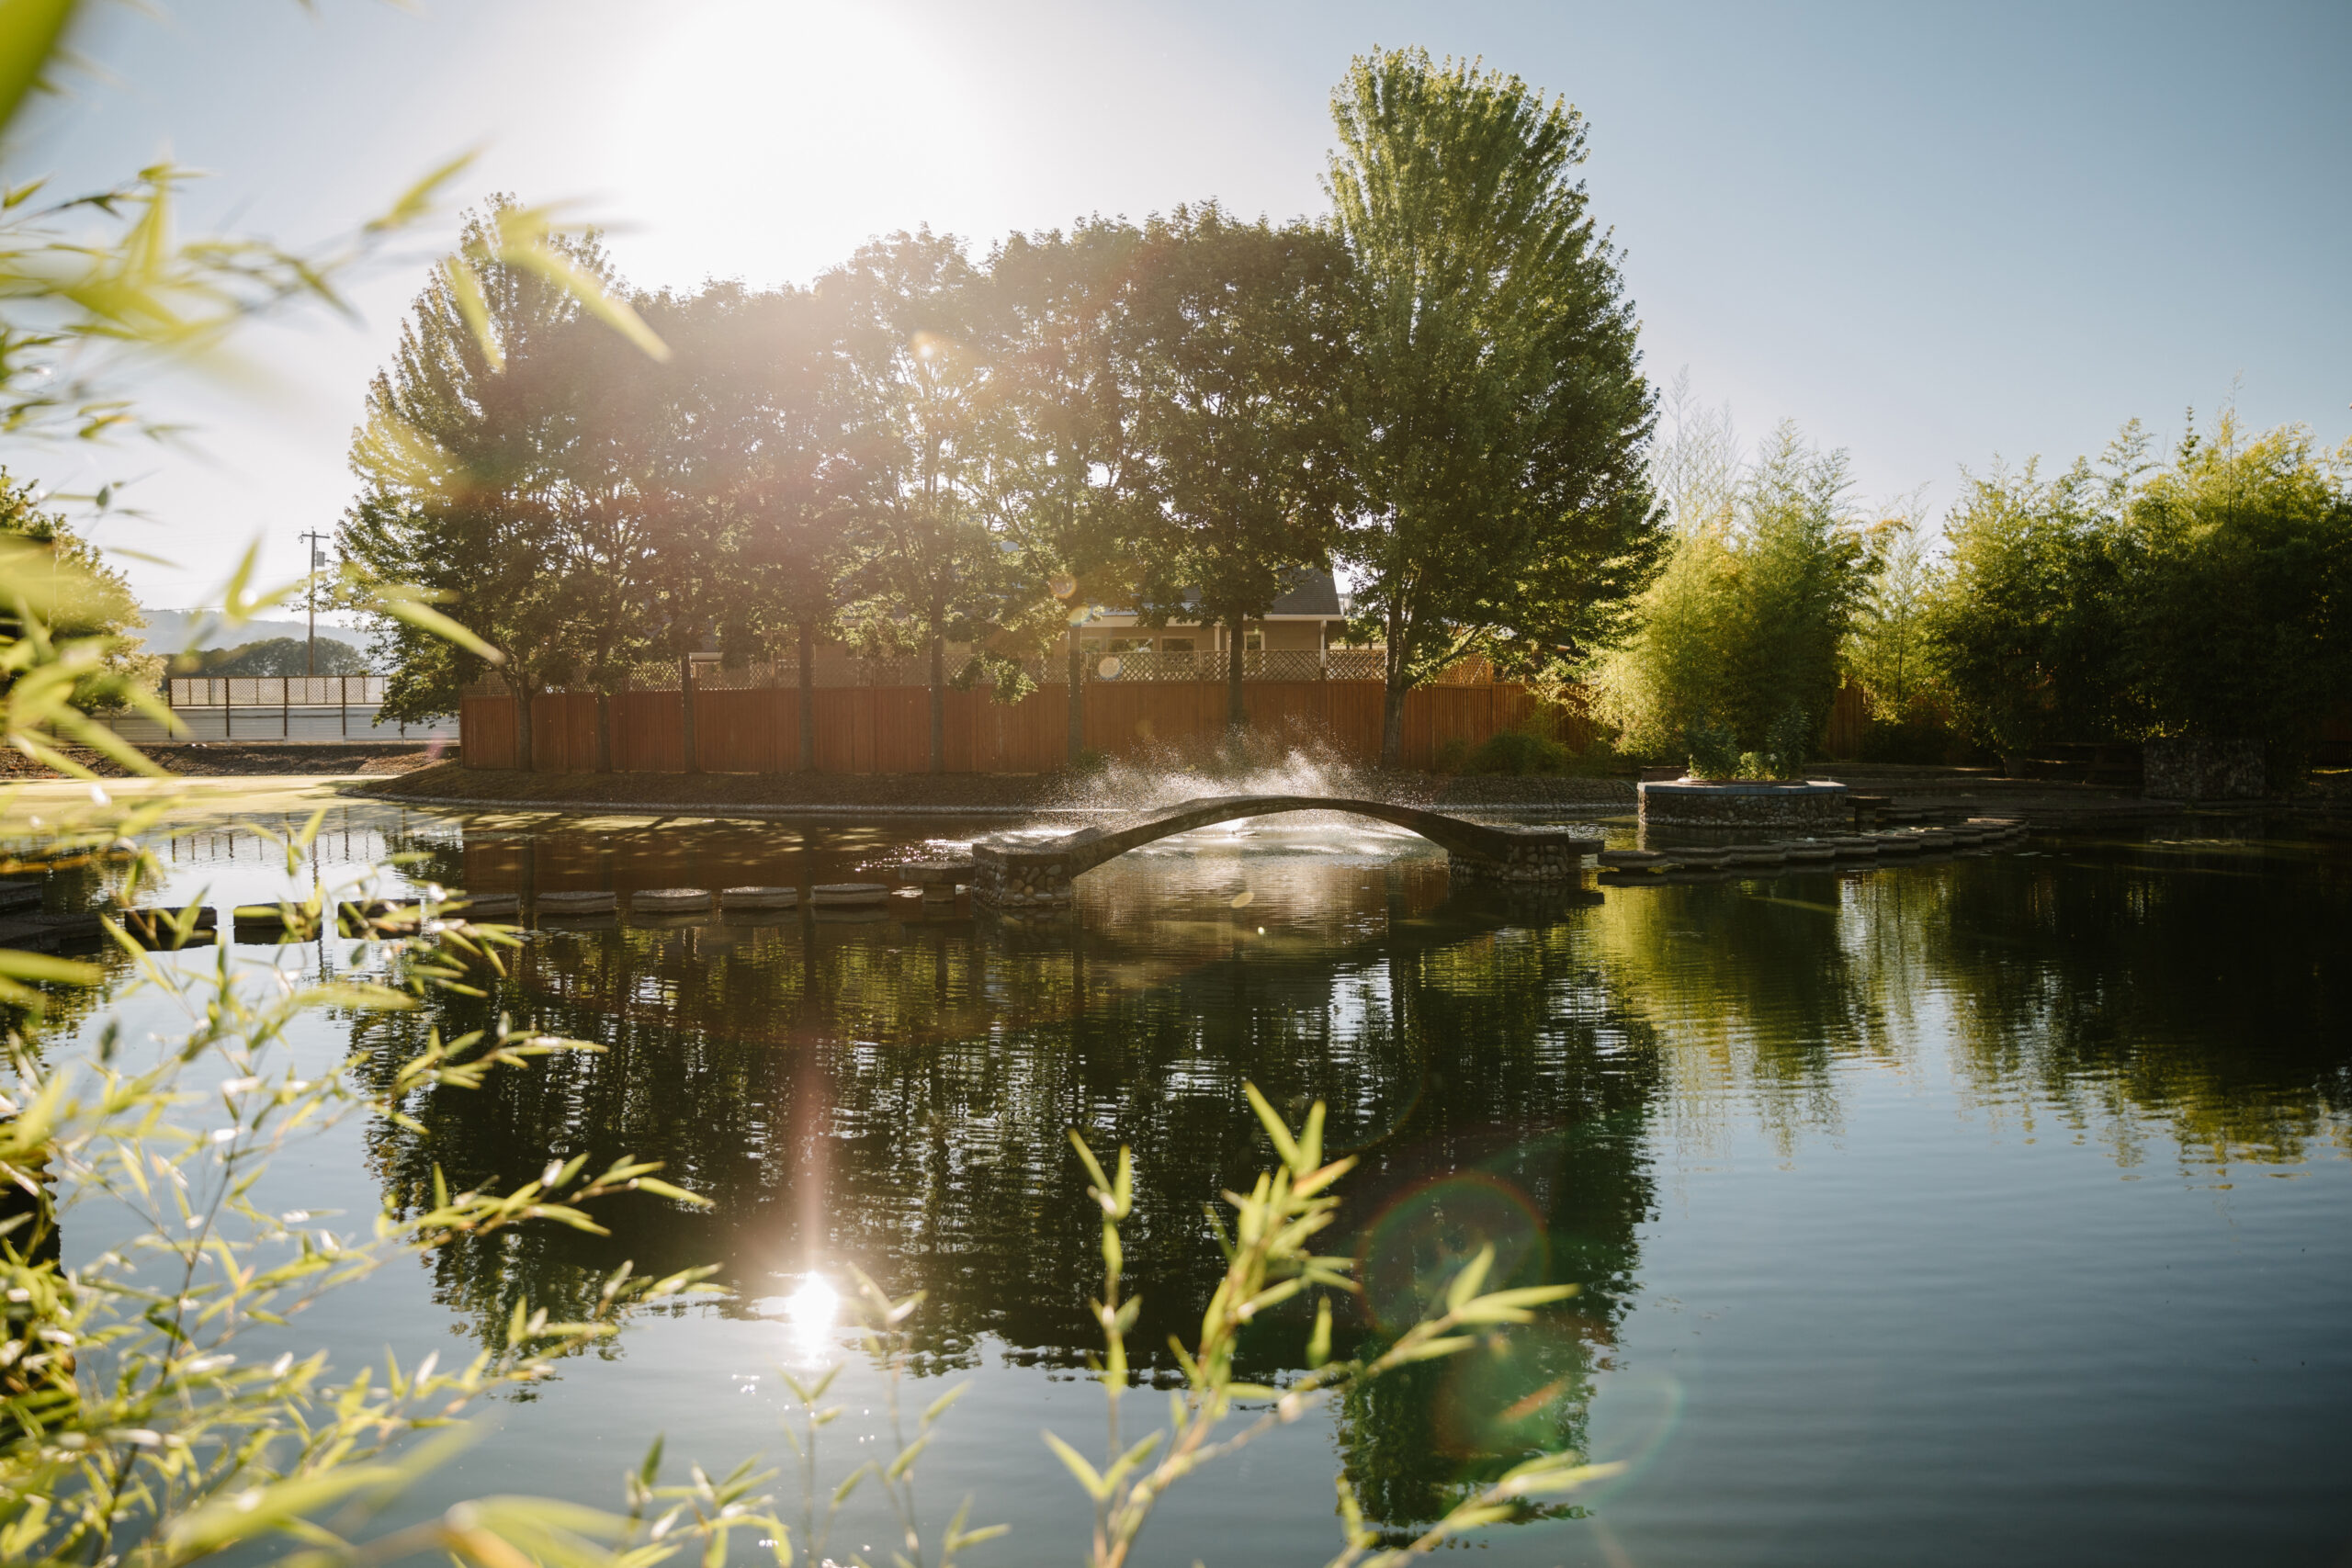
x: 886, y: 730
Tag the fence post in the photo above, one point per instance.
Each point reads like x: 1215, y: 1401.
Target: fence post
x: 285, y: 708
x: 342, y: 692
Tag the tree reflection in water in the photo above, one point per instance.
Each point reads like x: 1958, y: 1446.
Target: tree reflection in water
x: 896, y: 1094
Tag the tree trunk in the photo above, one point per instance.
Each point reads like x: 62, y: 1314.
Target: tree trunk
x: 686, y: 710
x: 1392, y: 723
x: 1077, y: 698
x: 522, y: 690
x: 603, y: 731
x: 808, y: 699
x: 1236, y: 712
x: 1392, y: 698
x: 938, y: 700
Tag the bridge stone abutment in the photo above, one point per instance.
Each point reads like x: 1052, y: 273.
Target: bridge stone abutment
x: 1011, y: 873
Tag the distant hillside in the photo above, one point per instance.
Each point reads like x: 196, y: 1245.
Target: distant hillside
x: 167, y: 631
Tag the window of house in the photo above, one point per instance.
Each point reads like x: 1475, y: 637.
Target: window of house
x: 1131, y: 645
x: 1175, y: 645
x: 1253, y: 641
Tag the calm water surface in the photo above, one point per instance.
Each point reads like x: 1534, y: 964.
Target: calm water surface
x: 1989, y: 1210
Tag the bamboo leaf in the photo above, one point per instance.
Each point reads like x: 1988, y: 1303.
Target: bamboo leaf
x: 30, y: 32
x: 1474, y: 1274
x: 1276, y: 1129
x: 1088, y: 1477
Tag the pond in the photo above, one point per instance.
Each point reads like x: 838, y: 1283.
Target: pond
x: 1993, y: 1208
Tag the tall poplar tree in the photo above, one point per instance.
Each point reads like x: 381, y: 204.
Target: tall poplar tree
x: 1500, y: 412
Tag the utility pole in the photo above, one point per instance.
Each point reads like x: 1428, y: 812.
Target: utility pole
x: 311, y: 658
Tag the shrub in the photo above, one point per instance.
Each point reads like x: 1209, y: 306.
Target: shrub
x: 1713, y: 751
x: 1519, y: 753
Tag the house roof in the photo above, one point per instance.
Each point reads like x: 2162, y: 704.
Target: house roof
x: 1311, y: 593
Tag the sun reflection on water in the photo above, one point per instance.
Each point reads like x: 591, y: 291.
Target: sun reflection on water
x: 809, y: 1315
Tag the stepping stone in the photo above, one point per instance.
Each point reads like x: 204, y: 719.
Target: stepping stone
x: 488, y: 907
x: 934, y: 873
x: 850, y: 895
x: 1756, y: 854
x: 143, y: 923
x: 77, y: 925
x: 1900, y: 844
x: 759, y: 897
x: 852, y: 914
x: 1814, y: 849
x: 1631, y: 860
x: 270, y: 923
x: 669, y: 900
x: 1855, y: 845
x: 576, y: 903
x: 1700, y: 859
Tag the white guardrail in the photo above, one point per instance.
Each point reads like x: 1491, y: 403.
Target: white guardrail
x: 303, y: 709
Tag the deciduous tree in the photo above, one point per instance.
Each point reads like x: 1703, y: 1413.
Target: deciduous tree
x: 1241, y: 350
x: 1499, y: 407
x: 931, y: 568
x: 1064, y: 424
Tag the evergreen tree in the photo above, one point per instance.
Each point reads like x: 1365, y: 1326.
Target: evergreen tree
x: 462, y: 492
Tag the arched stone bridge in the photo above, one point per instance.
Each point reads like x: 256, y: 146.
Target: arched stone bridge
x: 1037, y: 873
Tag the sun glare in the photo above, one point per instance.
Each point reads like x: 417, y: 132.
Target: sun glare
x: 810, y: 1311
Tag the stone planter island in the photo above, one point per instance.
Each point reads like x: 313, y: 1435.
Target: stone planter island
x: 1788, y: 806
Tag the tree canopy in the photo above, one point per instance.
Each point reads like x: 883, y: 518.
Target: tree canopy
x: 1501, y: 415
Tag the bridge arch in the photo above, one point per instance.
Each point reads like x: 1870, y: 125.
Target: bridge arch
x: 1039, y: 874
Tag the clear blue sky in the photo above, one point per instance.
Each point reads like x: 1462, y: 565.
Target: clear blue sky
x: 1930, y: 235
